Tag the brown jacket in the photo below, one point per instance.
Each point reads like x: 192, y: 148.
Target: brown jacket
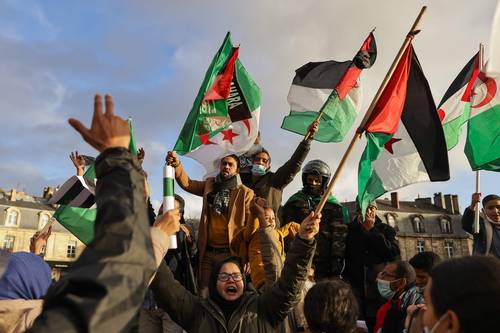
x: 17, y: 315
x: 239, y: 206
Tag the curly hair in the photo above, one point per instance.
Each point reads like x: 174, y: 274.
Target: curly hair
x: 330, y: 306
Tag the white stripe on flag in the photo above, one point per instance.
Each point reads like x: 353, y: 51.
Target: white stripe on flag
x: 303, y: 99
x: 404, y: 166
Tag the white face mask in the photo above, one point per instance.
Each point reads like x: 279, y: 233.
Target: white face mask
x: 258, y: 170
x: 426, y: 329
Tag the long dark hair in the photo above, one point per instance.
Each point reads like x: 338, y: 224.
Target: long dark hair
x: 469, y: 286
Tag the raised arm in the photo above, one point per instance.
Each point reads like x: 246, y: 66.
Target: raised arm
x: 281, y: 298
x: 106, y: 285
x: 195, y: 187
x: 468, y: 217
x: 285, y: 174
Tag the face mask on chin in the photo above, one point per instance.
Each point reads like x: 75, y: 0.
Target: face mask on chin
x: 313, y: 189
x: 258, y: 170
x: 436, y: 324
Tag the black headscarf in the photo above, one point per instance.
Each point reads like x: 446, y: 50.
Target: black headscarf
x: 226, y: 306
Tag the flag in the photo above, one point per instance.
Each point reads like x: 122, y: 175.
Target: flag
x: 331, y: 87
x: 493, y: 68
x: 455, y: 106
x: 224, y: 118
x: 405, y: 140
x: 75, y: 213
x: 482, y: 146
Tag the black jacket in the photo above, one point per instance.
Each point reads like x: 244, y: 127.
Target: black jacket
x: 366, y: 254
x: 106, y: 285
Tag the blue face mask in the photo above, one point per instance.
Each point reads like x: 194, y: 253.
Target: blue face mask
x: 258, y: 170
x: 384, y: 288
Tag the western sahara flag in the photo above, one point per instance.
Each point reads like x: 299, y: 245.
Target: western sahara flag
x: 77, y: 211
x: 331, y: 87
x: 454, y: 109
x: 224, y: 118
x: 405, y: 140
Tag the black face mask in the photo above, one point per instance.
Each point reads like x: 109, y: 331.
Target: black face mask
x: 314, y: 190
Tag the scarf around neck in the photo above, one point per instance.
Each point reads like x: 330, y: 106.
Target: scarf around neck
x: 218, y: 199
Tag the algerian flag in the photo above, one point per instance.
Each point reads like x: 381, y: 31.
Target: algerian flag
x: 405, y: 140
x: 80, y: 220
x: 454, y: 109
x: 331, y: 87
x: 224, y: 118
x: 482, y: 146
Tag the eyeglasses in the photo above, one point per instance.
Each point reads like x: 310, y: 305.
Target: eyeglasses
x: 224, y: 277
x: 384, y: 274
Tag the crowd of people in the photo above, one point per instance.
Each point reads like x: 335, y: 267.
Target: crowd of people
x: 255, y: 264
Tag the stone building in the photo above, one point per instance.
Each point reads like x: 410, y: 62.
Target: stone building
x: 425, y: 224
x: 21, y: 215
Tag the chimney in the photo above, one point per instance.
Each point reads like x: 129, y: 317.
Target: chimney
x: 395, y: 200
x: 13, y: 194
x: 449, y: 204
x: 48, y: 192
x: 454, y: 200
x: 439, y: 200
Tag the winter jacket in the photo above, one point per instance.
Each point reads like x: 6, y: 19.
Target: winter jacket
x: 329, y: 257
x: 270, y: 186
x: 17, y: 315
x: 483, y: 239
x: 366, y: 254
x: 239, y: 206
x: 391, y: 315
x: 256, y: 312
x: 106, y: 285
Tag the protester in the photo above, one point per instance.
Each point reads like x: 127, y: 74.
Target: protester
x: 226, y: 210
x: 462, y: 297
x: 252, y: 246
x: 487, y: 241
x: 24, y: 280
x: 330, y: 306
x: 229, y: 308
x: 369, y: 245
x: 105, y: 287
x: 269, y: 185
x: 329, y: 258
x: 396, y: 284
x: 423, y: 263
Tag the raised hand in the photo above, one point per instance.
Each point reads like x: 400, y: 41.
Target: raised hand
x: 257, y: 209
x: 172, y: 159
x: 39, y: 240
x: 169, y: 222
x: 313, y: 128
x: 475, y: 200
x: 107, y: 130
x: 141, y: 154
x: 78, y: 162
x: 310, y: 226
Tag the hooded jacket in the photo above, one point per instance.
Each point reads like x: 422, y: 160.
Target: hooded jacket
x: 255, y: 313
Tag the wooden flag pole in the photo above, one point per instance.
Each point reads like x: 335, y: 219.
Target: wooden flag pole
x: 409, y: 37
x: 478, y: 176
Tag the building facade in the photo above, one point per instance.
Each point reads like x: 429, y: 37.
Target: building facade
x: 22, y: 215
x: 425, y: 224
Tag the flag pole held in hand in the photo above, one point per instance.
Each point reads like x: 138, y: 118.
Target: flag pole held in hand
x: 478, y: 176
x: 168, y: 197
x: 409, y: 37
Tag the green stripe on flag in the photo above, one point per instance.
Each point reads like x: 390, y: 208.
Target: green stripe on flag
x: 370, y: 185
x: 453, y: 129
x: 78, y: 221
x: 168, y: 186
x: 337, y: 119
x: 482, y: 147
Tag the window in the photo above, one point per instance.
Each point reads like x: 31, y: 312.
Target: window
x: 8, y: 243
x: 71, y: 252
x: 448, y: 248
x: 446, y: 226
x: 391, y: 220
x: 43, y: 220
x: 12, y: 218
x: 418, y: 224
x: 420, y: 246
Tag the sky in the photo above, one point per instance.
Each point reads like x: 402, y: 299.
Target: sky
x: 151, y: 55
